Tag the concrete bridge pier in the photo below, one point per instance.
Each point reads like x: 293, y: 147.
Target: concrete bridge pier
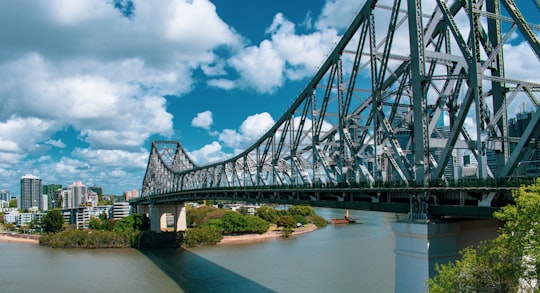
x: 419, y: 246
x: 158, y: 217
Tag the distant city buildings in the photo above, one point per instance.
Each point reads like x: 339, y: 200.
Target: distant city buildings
x: 120, y: 210
x: 131, y: 194
x: 97, y: 189
x: 52, y: 191
x: 30, y: 192
x: 5, y: 197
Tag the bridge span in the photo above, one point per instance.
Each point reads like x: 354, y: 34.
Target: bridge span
x: 419, y: 109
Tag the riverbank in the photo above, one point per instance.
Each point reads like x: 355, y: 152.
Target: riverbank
x: 249, y: 238
x: 19, y: 238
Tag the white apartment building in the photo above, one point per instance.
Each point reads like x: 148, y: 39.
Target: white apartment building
x: 120, y: 210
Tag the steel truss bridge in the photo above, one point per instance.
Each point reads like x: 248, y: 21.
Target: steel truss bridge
x: 413, y: 110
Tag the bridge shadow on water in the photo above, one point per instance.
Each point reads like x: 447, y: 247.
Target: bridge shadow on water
x: 194, y: 274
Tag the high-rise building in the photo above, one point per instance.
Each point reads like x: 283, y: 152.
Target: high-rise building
x: 5, y: 195
x: 78, y: 194
x: 52, y: 195
x: 30, y: 192
x: 66, y: 199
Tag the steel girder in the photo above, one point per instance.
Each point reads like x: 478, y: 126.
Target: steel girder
x: 393, y: 102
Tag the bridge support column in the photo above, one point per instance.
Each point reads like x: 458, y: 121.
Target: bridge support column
x: 158, y: 217
x: 155, y: 218
x: 419, y: 246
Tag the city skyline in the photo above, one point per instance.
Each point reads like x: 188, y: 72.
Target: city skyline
x: 88, y: 86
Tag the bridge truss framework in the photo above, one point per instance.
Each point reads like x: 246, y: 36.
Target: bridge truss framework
x: 406, y: 95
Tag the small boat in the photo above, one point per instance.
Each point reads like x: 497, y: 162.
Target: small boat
x: 345, y: 220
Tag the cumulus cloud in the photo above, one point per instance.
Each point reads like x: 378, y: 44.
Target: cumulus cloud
x: 286, y: 55
x: 251, y: 129
x: 116, y: 158
x: 209, y: 153
x: 56, y: 143
x: 203, y: 120
x: 101, y: 69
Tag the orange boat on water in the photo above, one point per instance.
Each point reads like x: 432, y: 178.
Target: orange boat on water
x: 344, y: 220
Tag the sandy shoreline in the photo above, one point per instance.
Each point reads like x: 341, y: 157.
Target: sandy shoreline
x: 248, y: 238
x: 19, y: 238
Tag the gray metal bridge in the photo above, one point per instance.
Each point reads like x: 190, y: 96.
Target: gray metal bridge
x: 412, y: 111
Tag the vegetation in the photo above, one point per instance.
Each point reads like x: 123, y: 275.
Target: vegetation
x: 52, y: 221
x: 198, y: 216
x: 12, y: 203
x: 267, y: 213
x: 89, y: 239
x: 205, y: 235
x: 509, y: 263
x: 287, y: 221
x: 208, y: 224
x: 102, y: 233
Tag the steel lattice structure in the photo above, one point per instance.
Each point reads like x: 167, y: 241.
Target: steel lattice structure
x: 391, y: 103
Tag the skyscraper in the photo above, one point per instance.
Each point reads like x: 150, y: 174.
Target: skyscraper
x: 78, y: 194
x: 5, y: 195
x: 30, y: 192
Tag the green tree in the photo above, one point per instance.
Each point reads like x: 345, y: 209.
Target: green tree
x: 319, y: 221
x: 133, y: 222
x: 267, y: 213
x: 103, y: 216
x: 96, y: 224
x: 234, y: 223
x: 509, y: 263
x: 287, y: 221
x: 53, y: 221
x: 12, y: 203
x: 300, y: 219
x: 204, y: 235
x: 302, y: 210
x: 257, y: 225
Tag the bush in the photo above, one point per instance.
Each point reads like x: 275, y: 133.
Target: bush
x: 88, y: 239
x: 319, y: 221
x: 204, y: 235
x: 287, y: 221
x: 302, y: 210
x: 267, y: 213
x: 300, y: 219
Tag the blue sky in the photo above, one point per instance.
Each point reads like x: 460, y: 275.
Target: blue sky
x: 88, y: 84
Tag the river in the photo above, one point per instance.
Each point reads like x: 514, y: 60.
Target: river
x: 341, y: 258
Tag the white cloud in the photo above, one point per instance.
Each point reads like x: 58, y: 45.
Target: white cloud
x: 286, y: 55
x: 222, y: 84
x: 116, y: 158
x: 251, y: 129
x: 256, y: 125
x: 56, y: 143
x: 303, y: 53
x: 209, y: 153
x: 260, y: 67
x: 203, y: 120
x: 338, y: 14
